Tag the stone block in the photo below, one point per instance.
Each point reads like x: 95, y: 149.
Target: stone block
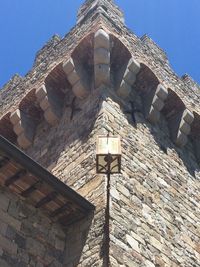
x: 154, y: 102
x: 133, y: 243
x: 124, y: 89
x: 4, y: 201
x: 23, y: 141
x: 157, y: 103
x: 3, y: 263
x: 3, y: 228
x: 79, y: 90
x: 73, y: 77
x: 162, y: 92
x: 101, y: 39
x: 134, y: 66
x: 149, y: 264
x: 15, y: 117
x: 154, y: 115
x: 18, y: 128
x: 60, y: 244
x: 41, y: 92
x: 101, y: 56
x: 34, y: 247
x: 179, y: 126
x: 24, y: 127
x: 184, y: 127
x: 129, y: 77
x: 8, y: 246
x: 44, y: 104
x: 181, y: 139
x: 102, y: 74
x: 156, y: 243
x: 68, y: 66
x: 50, y: 116
x: 188, y: 116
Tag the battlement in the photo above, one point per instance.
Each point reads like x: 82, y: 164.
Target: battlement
x: 46, y: 49
x: 105, y: 7
x: 190, y: 82
x: 84, y: 72
x: 152, y: 47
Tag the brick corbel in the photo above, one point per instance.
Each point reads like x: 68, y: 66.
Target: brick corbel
x: 180, y: 127
x: 101, y: 58
x: 24, y: 127
x: 195, y: 135
x: 79, y: 86
x: 51, y: 103
x: 196, y: 145
x: 154, y: 102
x: 129, y: 78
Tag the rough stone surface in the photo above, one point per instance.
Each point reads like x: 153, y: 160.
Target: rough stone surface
x: 153, y: 216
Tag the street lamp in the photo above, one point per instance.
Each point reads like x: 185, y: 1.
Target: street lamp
x: 108, y: 161
x: 108, y: 155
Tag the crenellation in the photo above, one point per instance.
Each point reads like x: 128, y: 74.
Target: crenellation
x: 46, y: 50
x: 105, y: 7
x: 152, y: 47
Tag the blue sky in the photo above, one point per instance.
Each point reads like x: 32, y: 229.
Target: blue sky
x: 26, y: 25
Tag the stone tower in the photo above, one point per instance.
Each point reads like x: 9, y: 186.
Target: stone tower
x: 100, y: 78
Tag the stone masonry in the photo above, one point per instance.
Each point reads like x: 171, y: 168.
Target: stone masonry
x: 99, y: 79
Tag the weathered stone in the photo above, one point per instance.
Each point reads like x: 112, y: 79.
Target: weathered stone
x: 154, y: 102
x: 124, y: 90
x: 152, y: 214
x: 78, y: 85
x: 101, y: 58
x: 180, y: 127
x: 8, y: 246
x: 134, y: 66
x: 133, y: 243
x: 129, y: 78
x: 102, y: 40
x: 68, y: 66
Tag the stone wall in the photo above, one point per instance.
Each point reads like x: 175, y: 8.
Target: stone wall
x: 68, y: 151
x: 154, y: 214
x: 27, y: 236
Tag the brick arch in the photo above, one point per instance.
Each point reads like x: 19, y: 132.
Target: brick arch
x: 6, y: 128
x: 51, y: 94
x: 119, y: 58
x: 152, y: 92
x: 57, y: 79
x: 178, y: 117
x: 173, y: 104
x: 147, y: 80
x: 26, y: 118
x: 30, y: 106
x: 83, y: 54
x: 78, y: 67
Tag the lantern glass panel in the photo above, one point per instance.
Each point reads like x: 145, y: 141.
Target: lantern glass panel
x: 108, y: 146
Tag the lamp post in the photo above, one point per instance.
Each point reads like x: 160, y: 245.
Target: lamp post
x: 108, y: 161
